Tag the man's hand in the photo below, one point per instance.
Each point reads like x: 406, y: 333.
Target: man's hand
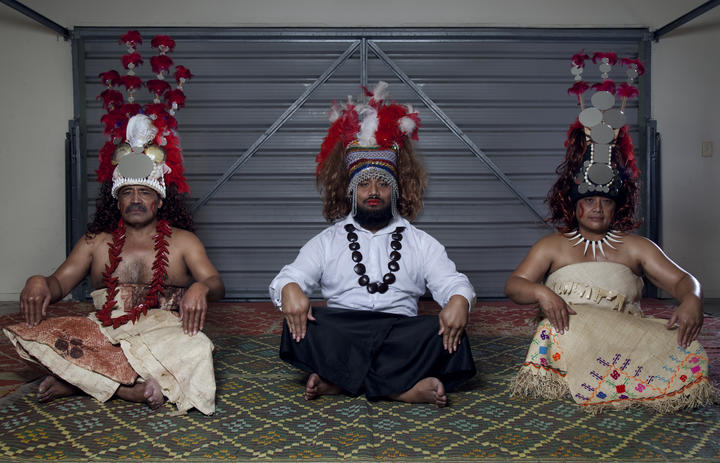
x: 193, y: 308
x: 554, y: 308
x: 34, y: 299
x: 296, y: 310
x: 453, y: 318
x: 689, y: 318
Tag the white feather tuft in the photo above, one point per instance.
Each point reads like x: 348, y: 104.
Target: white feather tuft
x: 407, y: 125
x: 380, y: 92
x: 334, y: 113
x: 369, y: 125
x: 140, y: 131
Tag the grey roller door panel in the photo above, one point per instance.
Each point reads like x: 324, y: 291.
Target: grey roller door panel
x: 505, y: 89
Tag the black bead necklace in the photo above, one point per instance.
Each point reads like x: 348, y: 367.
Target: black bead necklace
x: 357, y: 257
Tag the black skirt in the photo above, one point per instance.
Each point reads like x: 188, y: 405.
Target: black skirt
x: 379, y: 354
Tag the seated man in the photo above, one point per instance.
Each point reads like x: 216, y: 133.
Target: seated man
x: 372, y: 266
x: 141, y: 256
x: 586, y: 279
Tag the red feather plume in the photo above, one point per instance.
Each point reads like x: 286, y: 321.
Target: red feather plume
x: 627, y: 91
x: 109, y: 78
x: 611, y: 56
x: 157, y: 86
x: 628, y: 62
x: 175, y: 96
x: 578, y: 88
x: 131, y: 109
x: 112, y: 121
x: 165, y: 40
x: 105, y: 168
x: 131, y: 82
x: 627, y: 153
x: 388, y: 132
x: 607, y: 86
x: 578, y: 59
x: 160, y: 63
x: 111, y: 99
x: 343, y: 130
x: 181, y: 72
x: 131, y: 37
x: 133, y: 58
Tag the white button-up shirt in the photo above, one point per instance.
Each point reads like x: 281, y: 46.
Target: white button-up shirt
x: 326, y: 262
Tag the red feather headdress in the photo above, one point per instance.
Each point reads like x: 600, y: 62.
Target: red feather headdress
x: 376, y: 124
x: 161, y: 109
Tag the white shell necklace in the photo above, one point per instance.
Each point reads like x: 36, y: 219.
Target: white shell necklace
x: 576, y: 238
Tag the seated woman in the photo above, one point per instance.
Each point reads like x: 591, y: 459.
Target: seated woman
x: 594, y: 342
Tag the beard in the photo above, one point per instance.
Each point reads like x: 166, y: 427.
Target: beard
x: 373, y: 219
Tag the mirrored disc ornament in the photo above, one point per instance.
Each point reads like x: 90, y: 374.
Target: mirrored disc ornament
x: 600, y: 173
x: 590, y: 117
x: 156, y: 153
x: 604, y: 68
x: 602, y: 152
x: 122, y: 149
x: 632, y: 74
x: 135, y: 166
x: 614, y: 117
x: 603, y: 100
x: 602, y: 133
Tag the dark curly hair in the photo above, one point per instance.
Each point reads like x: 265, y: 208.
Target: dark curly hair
x: 174, y: 209
x: 333, y: 181
x: 562, y: 206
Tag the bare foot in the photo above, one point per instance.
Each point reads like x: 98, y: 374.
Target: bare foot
x: 52, y: 388
x: 427, y: 390
x: 153, y: 393
x: 148, y: 392
x: 316, y: 386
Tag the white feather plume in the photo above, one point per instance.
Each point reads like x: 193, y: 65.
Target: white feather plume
x: 140, y: 131
x: 368, y: 126
x: 407, y: 125
x: 380, y: 92
x: 334, y: 113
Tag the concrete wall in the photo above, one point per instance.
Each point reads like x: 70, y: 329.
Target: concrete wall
x: 35, y: 106
x: 36, y: 96
x: 685, y: 102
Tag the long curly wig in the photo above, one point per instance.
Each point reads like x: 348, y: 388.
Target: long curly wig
x: 333, y: 181
x: 562, y: 207
x: 107, y: 214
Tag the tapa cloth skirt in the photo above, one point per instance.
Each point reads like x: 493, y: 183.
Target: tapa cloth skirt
x: 379, y: 354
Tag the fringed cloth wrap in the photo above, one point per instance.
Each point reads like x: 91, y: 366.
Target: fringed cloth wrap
x: 99, y: 359
x: 612, y: 357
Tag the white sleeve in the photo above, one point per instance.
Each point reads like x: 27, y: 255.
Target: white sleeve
x: 441, y: 277
x: 306, y: 270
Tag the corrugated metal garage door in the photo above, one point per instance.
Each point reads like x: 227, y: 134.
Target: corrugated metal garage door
x: 504, y: 89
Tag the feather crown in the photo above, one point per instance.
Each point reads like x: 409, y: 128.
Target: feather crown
x: 123, y: 119
x: 376, y: 124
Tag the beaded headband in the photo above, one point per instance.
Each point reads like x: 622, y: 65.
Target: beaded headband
x: 372, y: 135
x: 143, y: 147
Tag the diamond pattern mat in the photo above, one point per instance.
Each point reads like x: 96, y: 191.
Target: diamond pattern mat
x: 261, y: 415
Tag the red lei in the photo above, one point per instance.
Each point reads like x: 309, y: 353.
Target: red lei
x: 156, y: 286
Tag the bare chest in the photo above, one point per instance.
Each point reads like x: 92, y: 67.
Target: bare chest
x: 137, y: 260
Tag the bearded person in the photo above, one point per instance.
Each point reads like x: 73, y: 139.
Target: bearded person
x: 594, y: 343
x: 372, y: 266
x: 152, y: 276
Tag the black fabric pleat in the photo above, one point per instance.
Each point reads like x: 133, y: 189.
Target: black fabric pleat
x: 379, y: 354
